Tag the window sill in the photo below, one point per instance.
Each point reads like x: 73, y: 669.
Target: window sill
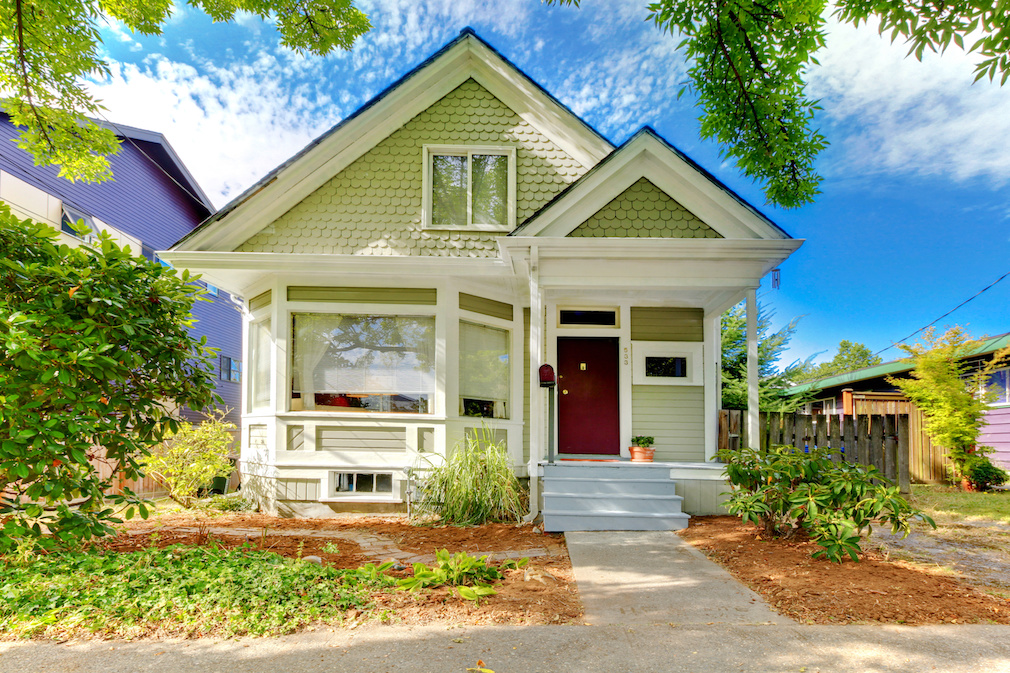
x: 497, y: 228
x: 363, y: 497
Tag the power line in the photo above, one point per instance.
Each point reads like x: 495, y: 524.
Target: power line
x: 987, y: 287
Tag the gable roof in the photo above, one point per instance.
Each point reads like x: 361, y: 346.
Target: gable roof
x: 647, y: 154
x: 465, y: 57
x: 989, y: 345
x: 152, y: 197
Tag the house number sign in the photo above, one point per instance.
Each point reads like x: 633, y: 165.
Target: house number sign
x: 627, y: 355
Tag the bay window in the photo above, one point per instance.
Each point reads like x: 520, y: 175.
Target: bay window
x: 483, y: 371
x: 363, y: 363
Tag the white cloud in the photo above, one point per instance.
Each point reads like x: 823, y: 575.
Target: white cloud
x: 888, y: 113
x: 230, y: 125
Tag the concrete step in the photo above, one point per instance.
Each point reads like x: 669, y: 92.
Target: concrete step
x: 664, y: 486
x: 626, y: 470
x: 632, y: 504
x: 561, y: 521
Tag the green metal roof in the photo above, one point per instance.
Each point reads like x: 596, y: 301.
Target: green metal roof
x: 894, y: 367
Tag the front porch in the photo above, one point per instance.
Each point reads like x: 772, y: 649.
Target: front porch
x: 622, y: 495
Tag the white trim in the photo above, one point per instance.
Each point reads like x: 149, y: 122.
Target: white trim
x: 753, y: 397
x: 713, y: 382
x: 692, y: 351
x: 429, y: 151
x: 332, y: 153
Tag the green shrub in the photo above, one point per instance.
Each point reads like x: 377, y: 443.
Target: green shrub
x: 643, y: 441
x: 471, y: 575
x: 94, y: 340
x: 180, y: 589
x: 191, y: 458
x: 231, y: 502
x: 476, y: 484
x: 784, y: 490
x: 982, y: 474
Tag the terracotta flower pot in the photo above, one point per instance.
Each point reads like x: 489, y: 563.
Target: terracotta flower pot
x: 642, y: 454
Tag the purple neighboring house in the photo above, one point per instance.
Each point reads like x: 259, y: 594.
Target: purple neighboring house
x: 830, y: 395
x: 152, y: 202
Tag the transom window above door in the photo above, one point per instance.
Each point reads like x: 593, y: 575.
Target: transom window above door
x: 469, y: 188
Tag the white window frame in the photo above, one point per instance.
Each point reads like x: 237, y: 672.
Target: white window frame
x: 690, y: 350
x: 468, y: 151
x: 1004, y: 402
x: 355, y: 494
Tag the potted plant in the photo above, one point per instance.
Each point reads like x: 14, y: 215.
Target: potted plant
x: 641, y: 449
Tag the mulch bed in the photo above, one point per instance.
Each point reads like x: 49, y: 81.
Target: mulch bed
x: 544, y: 592
x: 820, y: 592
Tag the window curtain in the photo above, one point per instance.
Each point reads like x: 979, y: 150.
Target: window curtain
x: 259, y: 348
x: 484, y: 366
x: 311, y: 341
x: 364, y: 355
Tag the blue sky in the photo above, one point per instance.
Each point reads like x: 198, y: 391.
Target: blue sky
x: 915, y: 212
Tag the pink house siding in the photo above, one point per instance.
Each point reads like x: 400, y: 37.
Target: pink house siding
x: 997, y: 435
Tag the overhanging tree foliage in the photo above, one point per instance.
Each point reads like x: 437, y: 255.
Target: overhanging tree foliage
x: 48, y: 47
x: 94, y: 357
x: 748, y: 61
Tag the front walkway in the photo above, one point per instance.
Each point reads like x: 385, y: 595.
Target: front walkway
x: 655, y: 577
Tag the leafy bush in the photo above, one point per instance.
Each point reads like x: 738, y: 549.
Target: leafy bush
x: 476, y: 484
x: 784, y: 490
x: 951, y: 394
x: 643, y: 441
x: 93, y: 343
x: 180, y: 589
x: 982, y: 474
x: 191, y: 458
x: 231, y: 502
x: 470, y: 575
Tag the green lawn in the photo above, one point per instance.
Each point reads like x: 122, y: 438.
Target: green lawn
x: 950, y: 504
x: 177, y: 590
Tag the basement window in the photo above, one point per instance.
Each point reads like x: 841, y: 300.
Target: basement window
x: 362, y: 483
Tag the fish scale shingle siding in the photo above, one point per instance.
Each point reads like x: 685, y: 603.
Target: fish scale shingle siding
x: 643, y: 210
x: 374, y: 207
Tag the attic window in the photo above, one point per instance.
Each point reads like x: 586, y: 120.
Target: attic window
x: 469, y: 188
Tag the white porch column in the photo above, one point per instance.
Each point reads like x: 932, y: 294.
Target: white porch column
x: 713, y: 383
x: 536, y: 419
x: 753, y: 399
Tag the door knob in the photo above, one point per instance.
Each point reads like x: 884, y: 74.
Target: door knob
x: 564, y: 392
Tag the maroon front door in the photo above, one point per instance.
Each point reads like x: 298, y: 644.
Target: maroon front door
x: 589, y: 418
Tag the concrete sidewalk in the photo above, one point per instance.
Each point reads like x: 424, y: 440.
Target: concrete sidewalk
x: 654, y: 604
x: 655, y: 577
x: 546, y: 649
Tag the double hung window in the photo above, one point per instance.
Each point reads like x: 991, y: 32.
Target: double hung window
x: 483, y: 371
x: 470, y: 188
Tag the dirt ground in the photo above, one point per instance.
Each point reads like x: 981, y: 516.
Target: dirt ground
x: 544, y: 592
x: 910, y: 587
x: 815, y: 591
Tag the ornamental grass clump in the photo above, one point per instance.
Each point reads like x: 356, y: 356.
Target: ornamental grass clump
x: 475, y: 485
x: 785, y: 490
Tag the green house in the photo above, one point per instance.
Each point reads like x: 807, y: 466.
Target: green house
x: 408, y: 273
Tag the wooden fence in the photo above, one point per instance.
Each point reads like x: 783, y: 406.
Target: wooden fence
x: 881, y: 440
x: 927, y: 463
